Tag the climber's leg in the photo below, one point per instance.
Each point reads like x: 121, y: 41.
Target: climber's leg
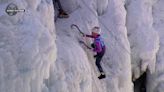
x: 59, y: 4
x: 98, y: 63
x: 98, y: 60
x: 62, y: 13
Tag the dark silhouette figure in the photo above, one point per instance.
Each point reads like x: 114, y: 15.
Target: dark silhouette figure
x: 62, y: 13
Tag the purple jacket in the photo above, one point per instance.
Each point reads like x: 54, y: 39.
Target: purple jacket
x: 98, y: 47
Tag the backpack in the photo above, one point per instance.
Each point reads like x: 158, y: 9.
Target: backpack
x: 99, y: 39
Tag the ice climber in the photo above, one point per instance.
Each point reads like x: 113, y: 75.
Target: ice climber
x: 98, y: 47
x: 62, y: 13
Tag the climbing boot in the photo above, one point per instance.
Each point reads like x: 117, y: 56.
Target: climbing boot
x: 102, y: 76
x: 62, y: 14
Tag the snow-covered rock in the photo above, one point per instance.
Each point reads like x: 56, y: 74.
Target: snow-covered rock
x: 156, y: 80
x: 144, y: 41
x: 27, y: 46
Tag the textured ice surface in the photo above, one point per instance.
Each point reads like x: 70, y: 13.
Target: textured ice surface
x: 27, y: 46
x: 38, y: 55
x: 156, y: 80
x: 144, y: 41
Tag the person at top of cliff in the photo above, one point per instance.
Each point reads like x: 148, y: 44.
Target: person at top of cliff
x: 62, y: 13
x: 98, y: 47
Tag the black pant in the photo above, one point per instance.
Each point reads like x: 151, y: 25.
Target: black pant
x: 99, y: 58
x: 59, y: 4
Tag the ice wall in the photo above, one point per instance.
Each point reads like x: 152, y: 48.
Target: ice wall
x: 75, y: 69
x: 156, y: 80
x: 27, y: 46
x: 38, y: 55
x: 144, y: 41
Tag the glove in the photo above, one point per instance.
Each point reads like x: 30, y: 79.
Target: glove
x: 95, y: 56
x: 93, y: 45
x: 83, y: 34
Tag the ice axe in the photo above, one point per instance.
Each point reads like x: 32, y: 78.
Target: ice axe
x: 82, y: 42
x: 74, y: 25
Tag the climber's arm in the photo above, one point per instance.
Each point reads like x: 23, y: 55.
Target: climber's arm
x: 90, y: 36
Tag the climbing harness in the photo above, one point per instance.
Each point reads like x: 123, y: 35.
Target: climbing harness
x: 99, y: 39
